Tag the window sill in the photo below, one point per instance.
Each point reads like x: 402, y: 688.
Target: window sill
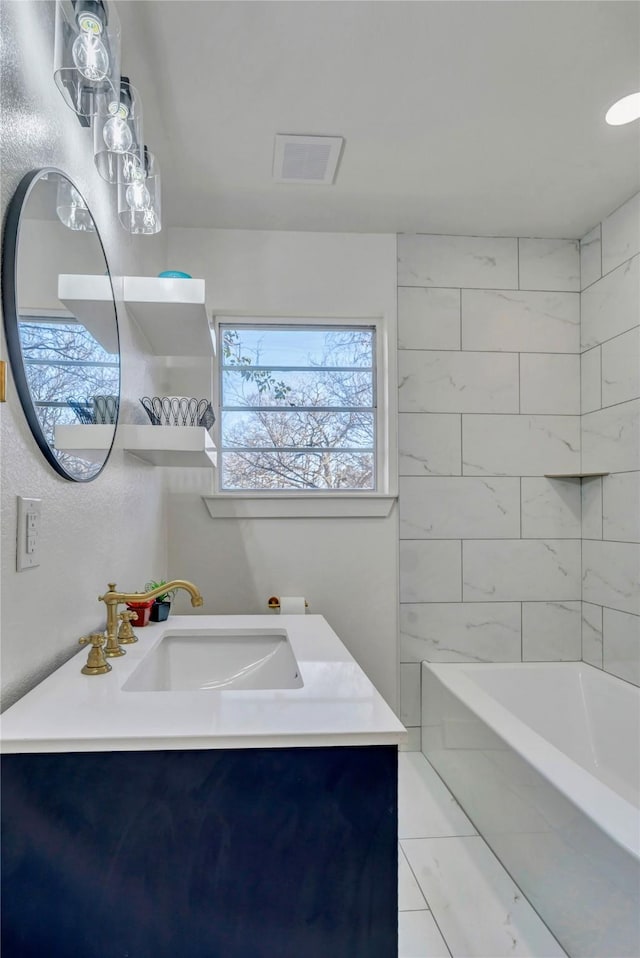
x: 310, y: 506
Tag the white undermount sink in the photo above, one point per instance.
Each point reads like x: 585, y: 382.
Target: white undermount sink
x: 218, y: 660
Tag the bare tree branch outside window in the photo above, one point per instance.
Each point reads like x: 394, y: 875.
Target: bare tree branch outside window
x: 298, y: 407
x: 62, y: 359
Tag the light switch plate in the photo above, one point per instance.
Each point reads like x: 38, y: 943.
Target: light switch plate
x: 28, y: 533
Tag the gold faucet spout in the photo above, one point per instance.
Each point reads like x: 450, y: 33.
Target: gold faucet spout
x: 113, y: 599
x: 120, y: 597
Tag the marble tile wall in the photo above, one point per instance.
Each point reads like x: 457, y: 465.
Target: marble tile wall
x: 610, y: 391
x: 519, y: 357
x: 489, y: 401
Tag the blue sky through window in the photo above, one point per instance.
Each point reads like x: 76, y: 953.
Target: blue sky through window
x: 309, y: 346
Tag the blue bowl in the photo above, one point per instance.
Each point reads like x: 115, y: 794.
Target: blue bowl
x: 174, y: 274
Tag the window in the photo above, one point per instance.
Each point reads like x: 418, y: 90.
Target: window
x: 298, y: 406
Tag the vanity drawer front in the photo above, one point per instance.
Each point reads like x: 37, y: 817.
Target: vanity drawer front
x: 239, y: 853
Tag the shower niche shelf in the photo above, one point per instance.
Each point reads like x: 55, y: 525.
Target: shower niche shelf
x: 170, y: 313
x: 574, y: 475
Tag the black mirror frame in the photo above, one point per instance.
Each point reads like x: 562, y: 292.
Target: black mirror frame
x: 11, y: 239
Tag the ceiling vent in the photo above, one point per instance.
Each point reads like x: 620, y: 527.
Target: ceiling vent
x: 306, y: 159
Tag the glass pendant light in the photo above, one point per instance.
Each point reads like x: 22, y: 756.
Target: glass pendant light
x: 71, y: 207
x: 140, y: 199
x: 87, y: 55
x: 117, y: 135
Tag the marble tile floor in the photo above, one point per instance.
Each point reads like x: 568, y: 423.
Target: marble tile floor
x: 455, y: 900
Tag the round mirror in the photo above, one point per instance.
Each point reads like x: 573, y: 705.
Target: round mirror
x: 61, y: 325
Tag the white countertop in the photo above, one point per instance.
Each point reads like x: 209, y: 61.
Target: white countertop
x: 338, y: 705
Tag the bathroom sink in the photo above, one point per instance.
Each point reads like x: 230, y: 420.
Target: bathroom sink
x: 218, y: 660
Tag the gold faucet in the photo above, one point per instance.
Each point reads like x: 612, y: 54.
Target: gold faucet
x: 113, y: 599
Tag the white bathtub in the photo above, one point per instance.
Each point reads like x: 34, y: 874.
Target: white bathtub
x: 545, y: 760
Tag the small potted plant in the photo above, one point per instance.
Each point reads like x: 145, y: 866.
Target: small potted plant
x: 161, y: 604
x: 142, y: 610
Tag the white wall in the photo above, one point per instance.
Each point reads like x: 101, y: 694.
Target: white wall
x: 113, y: 527
x: 47, y: 249
x: 347, y: 568
x: 610, y: 256
x: 489, y: 374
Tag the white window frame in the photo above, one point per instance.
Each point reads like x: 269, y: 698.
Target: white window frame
x: 311, y: 502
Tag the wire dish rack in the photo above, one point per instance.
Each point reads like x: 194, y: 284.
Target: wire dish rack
x: 95, y: 410
x: 83, y: 410
x: 178, y: 411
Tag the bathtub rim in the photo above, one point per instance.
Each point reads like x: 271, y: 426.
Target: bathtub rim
x: 587, y: 793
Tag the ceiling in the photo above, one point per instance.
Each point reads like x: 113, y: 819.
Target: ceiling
x: 459, y: 116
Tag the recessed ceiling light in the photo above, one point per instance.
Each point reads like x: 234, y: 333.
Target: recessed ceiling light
x: 624, y: 110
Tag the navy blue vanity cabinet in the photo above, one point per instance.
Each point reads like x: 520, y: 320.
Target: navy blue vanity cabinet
x: 238, y: 853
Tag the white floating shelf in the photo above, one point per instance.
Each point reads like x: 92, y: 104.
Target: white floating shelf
x: 159, y: 445
x: 90, y: 300
x: 574, y: 475
x: 171, y: 313
x: 84, y: 441
x: 169, y: 445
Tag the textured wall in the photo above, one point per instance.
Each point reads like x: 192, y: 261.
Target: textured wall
x: 114, y: 527
x: 610, y: 256
x: 489, y: 383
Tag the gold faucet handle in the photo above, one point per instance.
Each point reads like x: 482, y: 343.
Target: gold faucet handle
x: 96, y: 662
x: 97, y: 639
x: 126, y: 635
